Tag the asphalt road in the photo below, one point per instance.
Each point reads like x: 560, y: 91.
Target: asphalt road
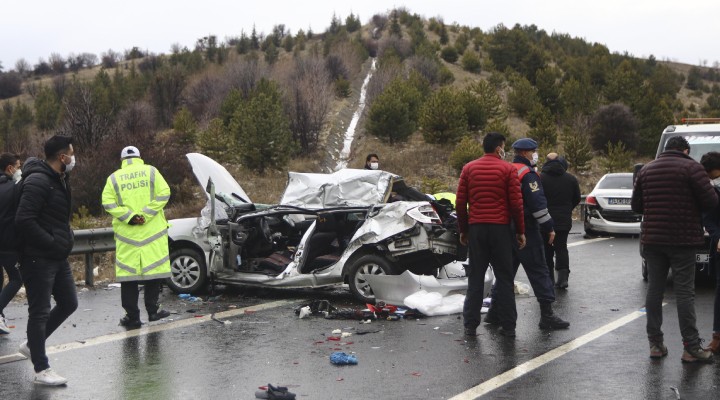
x: 604, y: 354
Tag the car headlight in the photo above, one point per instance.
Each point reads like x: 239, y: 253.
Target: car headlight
x: 424, y: 214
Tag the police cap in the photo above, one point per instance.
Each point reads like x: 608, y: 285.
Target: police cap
x: 130, y: 151
x: 525, y: 144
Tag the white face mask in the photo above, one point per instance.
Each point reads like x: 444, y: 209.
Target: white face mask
x: 716, y: 182
x: 502, y: 154
x: 374, y: 165
x: 69, y: 167
x: 17, y: 175
x: 534, y: 158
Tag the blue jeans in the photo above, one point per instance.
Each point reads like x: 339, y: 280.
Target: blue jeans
x: 44, y: 278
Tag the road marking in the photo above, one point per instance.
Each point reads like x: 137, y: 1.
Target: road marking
x: 146, y: 330
x: 537, y: 362
x: 588, y: 241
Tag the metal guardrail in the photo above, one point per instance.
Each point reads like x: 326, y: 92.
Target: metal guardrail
x: 89, y: 242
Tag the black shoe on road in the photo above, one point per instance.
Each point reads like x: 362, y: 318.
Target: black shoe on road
x: 507, y: 332
x: 553, y: 322
x: 471, y: 332
x: 130, y: 323
x: 159, y: 315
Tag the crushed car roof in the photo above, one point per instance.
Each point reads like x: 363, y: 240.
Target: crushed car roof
x: 346, y: 187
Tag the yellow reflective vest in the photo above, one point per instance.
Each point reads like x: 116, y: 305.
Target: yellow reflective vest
x: 141, y: 250
x: 447, y: 196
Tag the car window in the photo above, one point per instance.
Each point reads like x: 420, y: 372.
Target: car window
x: 616, y: 182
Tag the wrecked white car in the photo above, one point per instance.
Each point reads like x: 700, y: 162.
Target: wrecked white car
x: 328, y: 229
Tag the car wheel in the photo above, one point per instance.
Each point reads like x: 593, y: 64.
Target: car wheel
x: 370, y: 264
x: 188, y: 273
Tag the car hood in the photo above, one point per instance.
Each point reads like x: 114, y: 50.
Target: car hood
x: 347, y: 187
x: 205, y: 168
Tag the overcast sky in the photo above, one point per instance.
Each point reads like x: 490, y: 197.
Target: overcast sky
x: 685, y: 31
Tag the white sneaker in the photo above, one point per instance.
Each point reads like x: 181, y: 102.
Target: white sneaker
x: 24, y: 349
x: 3, y: 326
x: 49, y: 377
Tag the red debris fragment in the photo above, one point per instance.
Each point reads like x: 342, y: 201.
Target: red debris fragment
x: 416, y: 374
x: 340, y: 379
x: 334, y: 338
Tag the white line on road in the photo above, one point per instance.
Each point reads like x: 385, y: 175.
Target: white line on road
x: 582, y: 242
x: 150, y: 329
x: 537, y: 362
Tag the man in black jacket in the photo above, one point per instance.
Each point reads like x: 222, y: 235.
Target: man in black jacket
x: 563, y: 195
x: 43, y: 224
x: 671, y: 192
x: 9, y: 175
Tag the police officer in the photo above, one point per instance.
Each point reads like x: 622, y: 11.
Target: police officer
x: 537, y: 218
x: 135, y: 195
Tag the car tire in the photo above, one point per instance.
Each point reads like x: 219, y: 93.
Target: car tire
x: 367, y: 264
x: 188, y: 273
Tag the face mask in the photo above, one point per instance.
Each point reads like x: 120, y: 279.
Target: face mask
x: 534, y: 158
x: 69, y: 167
x: 716, y: 182
x: 17, y: 175
x: 502, y: 154
x: 374, y: 165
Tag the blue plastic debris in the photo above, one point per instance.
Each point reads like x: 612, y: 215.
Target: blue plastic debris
x: 188, y: 297
x: 342, y: 358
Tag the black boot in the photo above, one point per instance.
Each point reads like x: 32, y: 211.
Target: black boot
x: 548, y: 320
x: 562, y: 278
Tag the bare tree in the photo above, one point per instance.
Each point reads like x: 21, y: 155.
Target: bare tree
x: 307, y: 104
x: 57, y: 63
x: 244, y: 75
x: 82, y: 120
x: 22, y: 67
x: 204, y: 96
x: 135, y: 120
x: 110, y: 59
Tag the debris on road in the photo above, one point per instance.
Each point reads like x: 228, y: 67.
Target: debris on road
x: 342, y: 358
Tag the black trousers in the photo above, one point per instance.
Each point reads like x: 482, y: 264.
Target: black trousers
x: 44, y: 278
x: 8, y: 262
x: 490, y: 244
x: 129, y: 294
x: 556, y: 254
x: 532, y: 258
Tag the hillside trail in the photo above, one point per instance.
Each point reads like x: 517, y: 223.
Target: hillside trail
x: 340, y: 139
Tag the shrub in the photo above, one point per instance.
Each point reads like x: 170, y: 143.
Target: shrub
x: 467, y: 150
x: 10, y: 84
x: 449, y: 54
x: 614, y: 123
x: 471, y: 62
x: 618, y: 159
x: 342, y: 88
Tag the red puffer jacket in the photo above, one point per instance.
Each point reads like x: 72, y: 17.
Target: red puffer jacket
x: 671, y: 193
x: 491, y: 189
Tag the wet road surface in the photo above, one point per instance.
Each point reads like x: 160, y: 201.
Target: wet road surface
x: 604, y: 354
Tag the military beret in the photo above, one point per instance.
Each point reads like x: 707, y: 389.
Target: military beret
x: 525, y: 144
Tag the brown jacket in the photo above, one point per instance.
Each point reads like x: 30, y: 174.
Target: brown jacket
x: 672, y: 192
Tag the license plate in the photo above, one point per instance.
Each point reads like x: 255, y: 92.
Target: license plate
x: 619, y: 201
x: 702, y: 258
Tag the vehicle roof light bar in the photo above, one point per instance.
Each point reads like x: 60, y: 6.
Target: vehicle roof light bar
x: 699, y: 120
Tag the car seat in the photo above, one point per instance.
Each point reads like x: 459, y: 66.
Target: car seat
x: 319, y: 248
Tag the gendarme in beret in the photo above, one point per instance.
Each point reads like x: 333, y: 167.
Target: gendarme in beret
x: 525, y: 144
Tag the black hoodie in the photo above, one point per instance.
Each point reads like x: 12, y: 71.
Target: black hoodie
x: 562, y: 192
x: 43, y: 216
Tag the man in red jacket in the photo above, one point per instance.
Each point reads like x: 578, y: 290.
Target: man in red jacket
x: 488, y: 198
x: 671, y: 192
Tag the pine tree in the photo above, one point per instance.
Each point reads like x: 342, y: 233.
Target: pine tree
x: 261, y: 129
x: 442, y: 117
